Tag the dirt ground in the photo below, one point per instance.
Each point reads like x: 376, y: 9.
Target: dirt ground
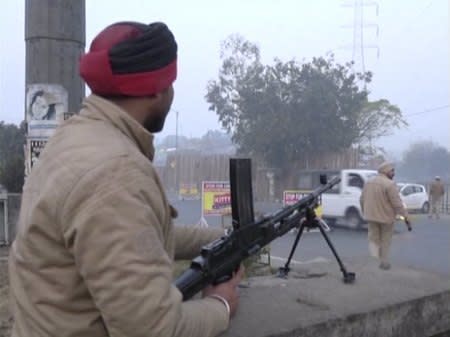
x: 5, y: 316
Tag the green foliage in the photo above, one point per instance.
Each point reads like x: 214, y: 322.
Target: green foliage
x: 423, y: 161
x: 377, y: 119
x: 12, y: 140
x: 283, y: 111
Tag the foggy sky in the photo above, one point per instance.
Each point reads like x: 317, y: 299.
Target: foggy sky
x: 412, y: 70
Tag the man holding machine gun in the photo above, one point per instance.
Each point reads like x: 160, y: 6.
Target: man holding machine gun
x: 95, y: 245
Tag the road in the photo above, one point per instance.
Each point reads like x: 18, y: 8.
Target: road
x: 425, y: 248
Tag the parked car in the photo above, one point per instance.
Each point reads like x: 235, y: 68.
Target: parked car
x: 414, y: 196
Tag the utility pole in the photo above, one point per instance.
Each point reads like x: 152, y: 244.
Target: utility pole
x: 54, y: 41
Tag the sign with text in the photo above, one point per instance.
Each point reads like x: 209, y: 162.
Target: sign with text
x: 290, y: 197
x: 33, y: 150
x: 216, y: 198
x: 188, y: 192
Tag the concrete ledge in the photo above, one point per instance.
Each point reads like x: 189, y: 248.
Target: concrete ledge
x: 315, y: 302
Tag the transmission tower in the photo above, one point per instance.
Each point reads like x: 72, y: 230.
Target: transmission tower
x: 359, y: 44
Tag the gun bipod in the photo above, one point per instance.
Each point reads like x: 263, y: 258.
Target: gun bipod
x: 310, y: 222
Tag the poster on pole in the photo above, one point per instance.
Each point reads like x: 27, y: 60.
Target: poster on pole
x: 33, y: 150
x: 216, y: 198
x: 46, y: 105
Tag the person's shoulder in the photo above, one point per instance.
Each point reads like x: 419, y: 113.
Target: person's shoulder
x: 379, y: 178
x: 391, y: 185
x: 384, y: 181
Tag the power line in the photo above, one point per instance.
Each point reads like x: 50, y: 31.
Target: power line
x: 428, y: 110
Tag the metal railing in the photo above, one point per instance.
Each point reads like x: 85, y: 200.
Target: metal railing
x: 9, y: 213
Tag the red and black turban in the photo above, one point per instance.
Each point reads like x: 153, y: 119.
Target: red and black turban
x: 130, y: 59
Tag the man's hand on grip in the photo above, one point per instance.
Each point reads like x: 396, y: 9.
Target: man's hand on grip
x: 227, y: 290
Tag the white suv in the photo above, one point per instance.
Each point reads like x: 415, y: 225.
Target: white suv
x: 341, y: 203
x: 414, y: 196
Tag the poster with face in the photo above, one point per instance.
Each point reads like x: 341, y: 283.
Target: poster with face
x: 46, y: 105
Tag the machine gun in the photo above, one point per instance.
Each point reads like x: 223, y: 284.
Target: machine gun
x: 218, y: 259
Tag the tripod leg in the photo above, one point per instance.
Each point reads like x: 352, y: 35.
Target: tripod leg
x: 283, y: 271
x: 349, y: 277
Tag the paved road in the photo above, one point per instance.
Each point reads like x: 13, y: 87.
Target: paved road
x: 426, y: 247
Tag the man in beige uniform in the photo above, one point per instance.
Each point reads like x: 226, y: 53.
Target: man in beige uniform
x: 381, y: 203
x: 94, y: 251
x: 436, y: 193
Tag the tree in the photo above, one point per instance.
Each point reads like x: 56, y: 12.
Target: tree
x: 377, y: 119
x: 424, y: 160
x: 290, y: 110
x: 12, y: 140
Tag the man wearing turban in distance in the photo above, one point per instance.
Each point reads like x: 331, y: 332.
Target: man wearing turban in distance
x: 94, y: 251
x: 437, y: 191
x: 381, y: 204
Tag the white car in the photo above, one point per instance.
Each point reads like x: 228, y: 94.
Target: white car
x: 414, y: 196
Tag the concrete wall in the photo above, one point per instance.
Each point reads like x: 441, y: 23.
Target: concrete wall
x: 313, y: 301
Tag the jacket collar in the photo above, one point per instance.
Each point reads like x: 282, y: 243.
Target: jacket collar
x: 99, y: 108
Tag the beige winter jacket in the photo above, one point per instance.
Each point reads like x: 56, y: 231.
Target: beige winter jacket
x: 436, y: 190
x: 94, y: 251
x: 380, y: 200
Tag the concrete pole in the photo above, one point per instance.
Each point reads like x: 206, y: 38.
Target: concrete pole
x: 55, y: 38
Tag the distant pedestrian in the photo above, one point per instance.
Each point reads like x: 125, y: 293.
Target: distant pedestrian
x: 435, y: 195
x: 381, y: 203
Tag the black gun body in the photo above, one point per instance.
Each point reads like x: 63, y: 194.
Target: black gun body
x: 220, y: 258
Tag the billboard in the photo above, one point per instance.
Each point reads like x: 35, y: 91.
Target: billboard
x: 216, y: 198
